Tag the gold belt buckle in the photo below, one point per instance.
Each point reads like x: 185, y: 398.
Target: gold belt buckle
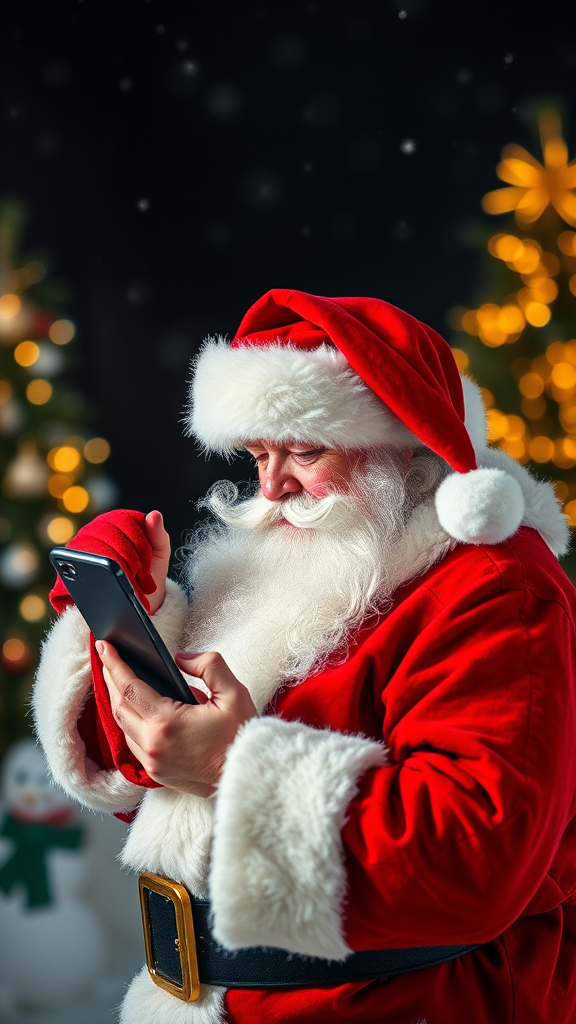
x: 184, y: 942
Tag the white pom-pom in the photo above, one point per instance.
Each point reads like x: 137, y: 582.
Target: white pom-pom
x: 484, y: 506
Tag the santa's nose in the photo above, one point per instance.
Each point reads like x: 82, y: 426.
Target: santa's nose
x: 277, y: 484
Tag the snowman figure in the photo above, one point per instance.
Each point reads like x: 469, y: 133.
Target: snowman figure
x: 52, y: 946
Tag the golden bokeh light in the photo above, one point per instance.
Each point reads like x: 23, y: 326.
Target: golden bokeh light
x: 511, y: 319
x: 567, y: 416
x: 515, y: 448
x: 75, y: 499
x: 61, y: 332
x: 537, y: 313
x: 39, y: 392
x: 26, y: 353
x: 487, y: 398
x: 572, y: 284
x: 60, y: 529
x: 470, y: 322
x: 515, y: 429
x: 556, y: 352
x: 541, y: 449
x: 531, y: 385
x: 535, y: 186
x: 529, y: 258
x: 543, y: 289
x: 97, y: 449
x: 59, y: 483
x: 533, y: 408
x: 570, y: 351
x: 33, y: 608
x: 564, y: 453
x: 14, y: 649
x: 65, y: 459
x: 5, y: 391
x: 10, y: 306
x: 489, y: 330
x: 507, y: 247
x: 567, y: 243
x: 564, y: 375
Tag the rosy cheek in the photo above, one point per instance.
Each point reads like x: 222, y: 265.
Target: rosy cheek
x: 321, y: 484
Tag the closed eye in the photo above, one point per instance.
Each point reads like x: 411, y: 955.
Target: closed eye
x: 308, y: 456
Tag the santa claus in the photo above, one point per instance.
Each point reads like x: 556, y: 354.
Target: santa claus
x: 370, y: 814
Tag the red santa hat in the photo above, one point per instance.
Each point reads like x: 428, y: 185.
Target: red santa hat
x: 353, y: 373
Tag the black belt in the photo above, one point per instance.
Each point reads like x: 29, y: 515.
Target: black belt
x: 182, y: 953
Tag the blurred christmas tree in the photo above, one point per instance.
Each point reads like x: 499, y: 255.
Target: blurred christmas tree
x: 525, y: 315
x: 50, y: 464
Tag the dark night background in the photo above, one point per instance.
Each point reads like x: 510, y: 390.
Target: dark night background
x: 179, y: 159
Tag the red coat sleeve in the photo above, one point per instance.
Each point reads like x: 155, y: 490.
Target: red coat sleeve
x: 449, y: 841
x: 120, y: 535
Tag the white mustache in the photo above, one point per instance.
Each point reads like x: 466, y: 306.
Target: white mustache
x: 302, y: 510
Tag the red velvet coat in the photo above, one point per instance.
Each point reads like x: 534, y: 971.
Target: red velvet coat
x: 469, y: 834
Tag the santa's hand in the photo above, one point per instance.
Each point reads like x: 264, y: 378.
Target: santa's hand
x: 160, y: 544
x: 182, y: 746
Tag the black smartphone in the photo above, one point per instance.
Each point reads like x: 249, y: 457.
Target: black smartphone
x: 108, y: 602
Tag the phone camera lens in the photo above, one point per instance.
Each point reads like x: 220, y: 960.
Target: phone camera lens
x: 68, y: 571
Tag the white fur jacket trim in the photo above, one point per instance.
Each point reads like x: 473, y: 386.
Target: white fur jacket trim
x: 63, y: 683
x: 277, y: 874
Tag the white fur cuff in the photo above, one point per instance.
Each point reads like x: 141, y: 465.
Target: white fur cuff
x: 63, y: 683
x: 277, y: 876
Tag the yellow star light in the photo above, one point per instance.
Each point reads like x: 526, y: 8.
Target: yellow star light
x: 534, y: 185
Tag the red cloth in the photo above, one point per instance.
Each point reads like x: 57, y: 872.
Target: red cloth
x: 120, y: 535
x: 468, y: 834
x: 407, y: 364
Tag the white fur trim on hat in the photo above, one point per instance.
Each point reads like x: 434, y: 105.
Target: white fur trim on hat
x: 474, y: 413
x: 282, y: 393
x: 278, y: 876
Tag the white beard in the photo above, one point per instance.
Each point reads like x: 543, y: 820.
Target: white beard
x: 277, y: 601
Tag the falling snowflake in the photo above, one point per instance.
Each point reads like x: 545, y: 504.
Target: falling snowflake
x: 402, y: 14
x: 137, y: 293
x: 125, y: 84
x: 143, y: 204
x: 224, y: 100
x: 190, y: 68
x: 408, y: 146
x: 508, y: 58
x: 402, y: 231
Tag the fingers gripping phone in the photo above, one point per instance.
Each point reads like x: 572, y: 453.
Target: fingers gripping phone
x: 107, y: 601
